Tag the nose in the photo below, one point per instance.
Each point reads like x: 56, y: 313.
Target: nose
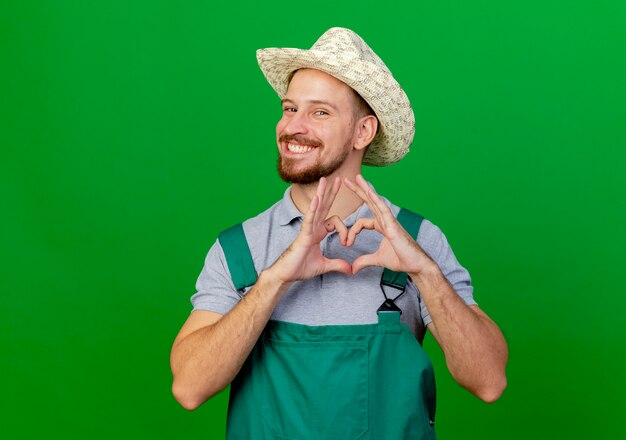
x: 293, y: 123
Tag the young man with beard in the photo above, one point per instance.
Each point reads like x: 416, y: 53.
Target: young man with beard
x: 315, y: 309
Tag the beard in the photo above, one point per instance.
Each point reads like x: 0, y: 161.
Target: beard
x: 287, y: 167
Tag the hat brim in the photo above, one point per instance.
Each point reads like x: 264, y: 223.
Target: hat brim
x: 375, y: 84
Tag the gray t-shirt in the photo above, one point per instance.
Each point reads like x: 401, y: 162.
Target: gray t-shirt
x: 332, y: 298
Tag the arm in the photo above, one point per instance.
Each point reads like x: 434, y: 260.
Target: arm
x: 475, y: 350
x: 210, y: 349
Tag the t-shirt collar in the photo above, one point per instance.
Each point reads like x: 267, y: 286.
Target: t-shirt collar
x: 287, y: 211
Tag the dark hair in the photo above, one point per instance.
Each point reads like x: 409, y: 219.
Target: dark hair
x: 362, y: 108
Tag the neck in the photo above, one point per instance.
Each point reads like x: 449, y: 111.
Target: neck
x: 346, y: 202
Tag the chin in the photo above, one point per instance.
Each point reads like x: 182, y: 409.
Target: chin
x: 303, y: 177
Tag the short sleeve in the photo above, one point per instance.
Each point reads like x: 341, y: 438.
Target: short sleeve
x: 434, y: 242
x: 215, y: 290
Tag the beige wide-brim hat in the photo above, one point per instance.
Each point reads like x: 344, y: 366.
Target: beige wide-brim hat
x: 343, y: 54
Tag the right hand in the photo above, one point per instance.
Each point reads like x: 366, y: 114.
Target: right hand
x: 303, y: 259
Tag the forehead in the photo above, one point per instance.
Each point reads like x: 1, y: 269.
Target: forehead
x: 312, y: 85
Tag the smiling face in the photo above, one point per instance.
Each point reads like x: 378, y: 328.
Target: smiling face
x: 316, y: 134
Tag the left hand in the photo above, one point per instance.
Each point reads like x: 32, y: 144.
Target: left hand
x: 398, y: 251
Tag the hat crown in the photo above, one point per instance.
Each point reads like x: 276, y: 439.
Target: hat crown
x: 345, y: 42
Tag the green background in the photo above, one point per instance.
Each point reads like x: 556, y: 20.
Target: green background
x: 131, y: 133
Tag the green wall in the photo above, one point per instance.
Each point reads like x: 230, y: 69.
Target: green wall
x: 132, y: 132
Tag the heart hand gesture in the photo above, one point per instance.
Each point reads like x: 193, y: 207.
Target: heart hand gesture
x: 398, y: 251
x: 304, y: 259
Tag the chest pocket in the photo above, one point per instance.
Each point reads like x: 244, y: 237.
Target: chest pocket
x: 307, y: 396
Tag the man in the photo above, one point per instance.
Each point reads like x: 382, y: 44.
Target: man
x: 310, y: 350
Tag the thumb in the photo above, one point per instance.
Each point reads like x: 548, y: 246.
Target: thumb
x: 337, y: 265
x: 364, y: 261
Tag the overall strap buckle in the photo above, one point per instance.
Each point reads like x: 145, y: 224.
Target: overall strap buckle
x: 411, y: 222
x: 389, y: 304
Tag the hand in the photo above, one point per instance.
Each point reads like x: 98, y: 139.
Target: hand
x: 398, y: 251
x: 304, y: 259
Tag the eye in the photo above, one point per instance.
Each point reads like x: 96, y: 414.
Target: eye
x: 289, y: 109
x: 321, y: 113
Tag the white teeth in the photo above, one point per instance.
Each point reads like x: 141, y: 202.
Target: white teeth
x: 298, y: 148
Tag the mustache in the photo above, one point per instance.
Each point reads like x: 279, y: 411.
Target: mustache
x: 300, y: 140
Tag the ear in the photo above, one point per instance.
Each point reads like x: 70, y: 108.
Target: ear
x: 364, y: 131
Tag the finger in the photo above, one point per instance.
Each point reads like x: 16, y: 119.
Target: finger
x: 321, y: 187
x: 349, y: 184
x: 337, y: 265
x: 389, y: 225
x: 329, y: 197
x: 334, y: 223
x: 367, y: 190
x: 382, y: 212
x: 364, y: 261
x: 324, y: 196
x: 358, y: 226
x: 377, y: 201
x: 361, y: 188
x: 356, y: 189
x: 307, y: 222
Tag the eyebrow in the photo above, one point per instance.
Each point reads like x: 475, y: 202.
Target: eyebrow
x: 312, y: 101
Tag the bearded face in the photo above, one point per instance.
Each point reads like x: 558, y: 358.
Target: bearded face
x: 315, y: 134
x: 293, y: 169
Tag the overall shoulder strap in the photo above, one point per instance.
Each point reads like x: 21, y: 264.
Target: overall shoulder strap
x: 411, y: 222
x: 238, y: 256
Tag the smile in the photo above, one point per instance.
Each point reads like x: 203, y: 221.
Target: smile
x: 299, y: 149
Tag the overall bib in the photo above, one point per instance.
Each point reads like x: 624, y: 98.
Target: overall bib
x: 343, y: 382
